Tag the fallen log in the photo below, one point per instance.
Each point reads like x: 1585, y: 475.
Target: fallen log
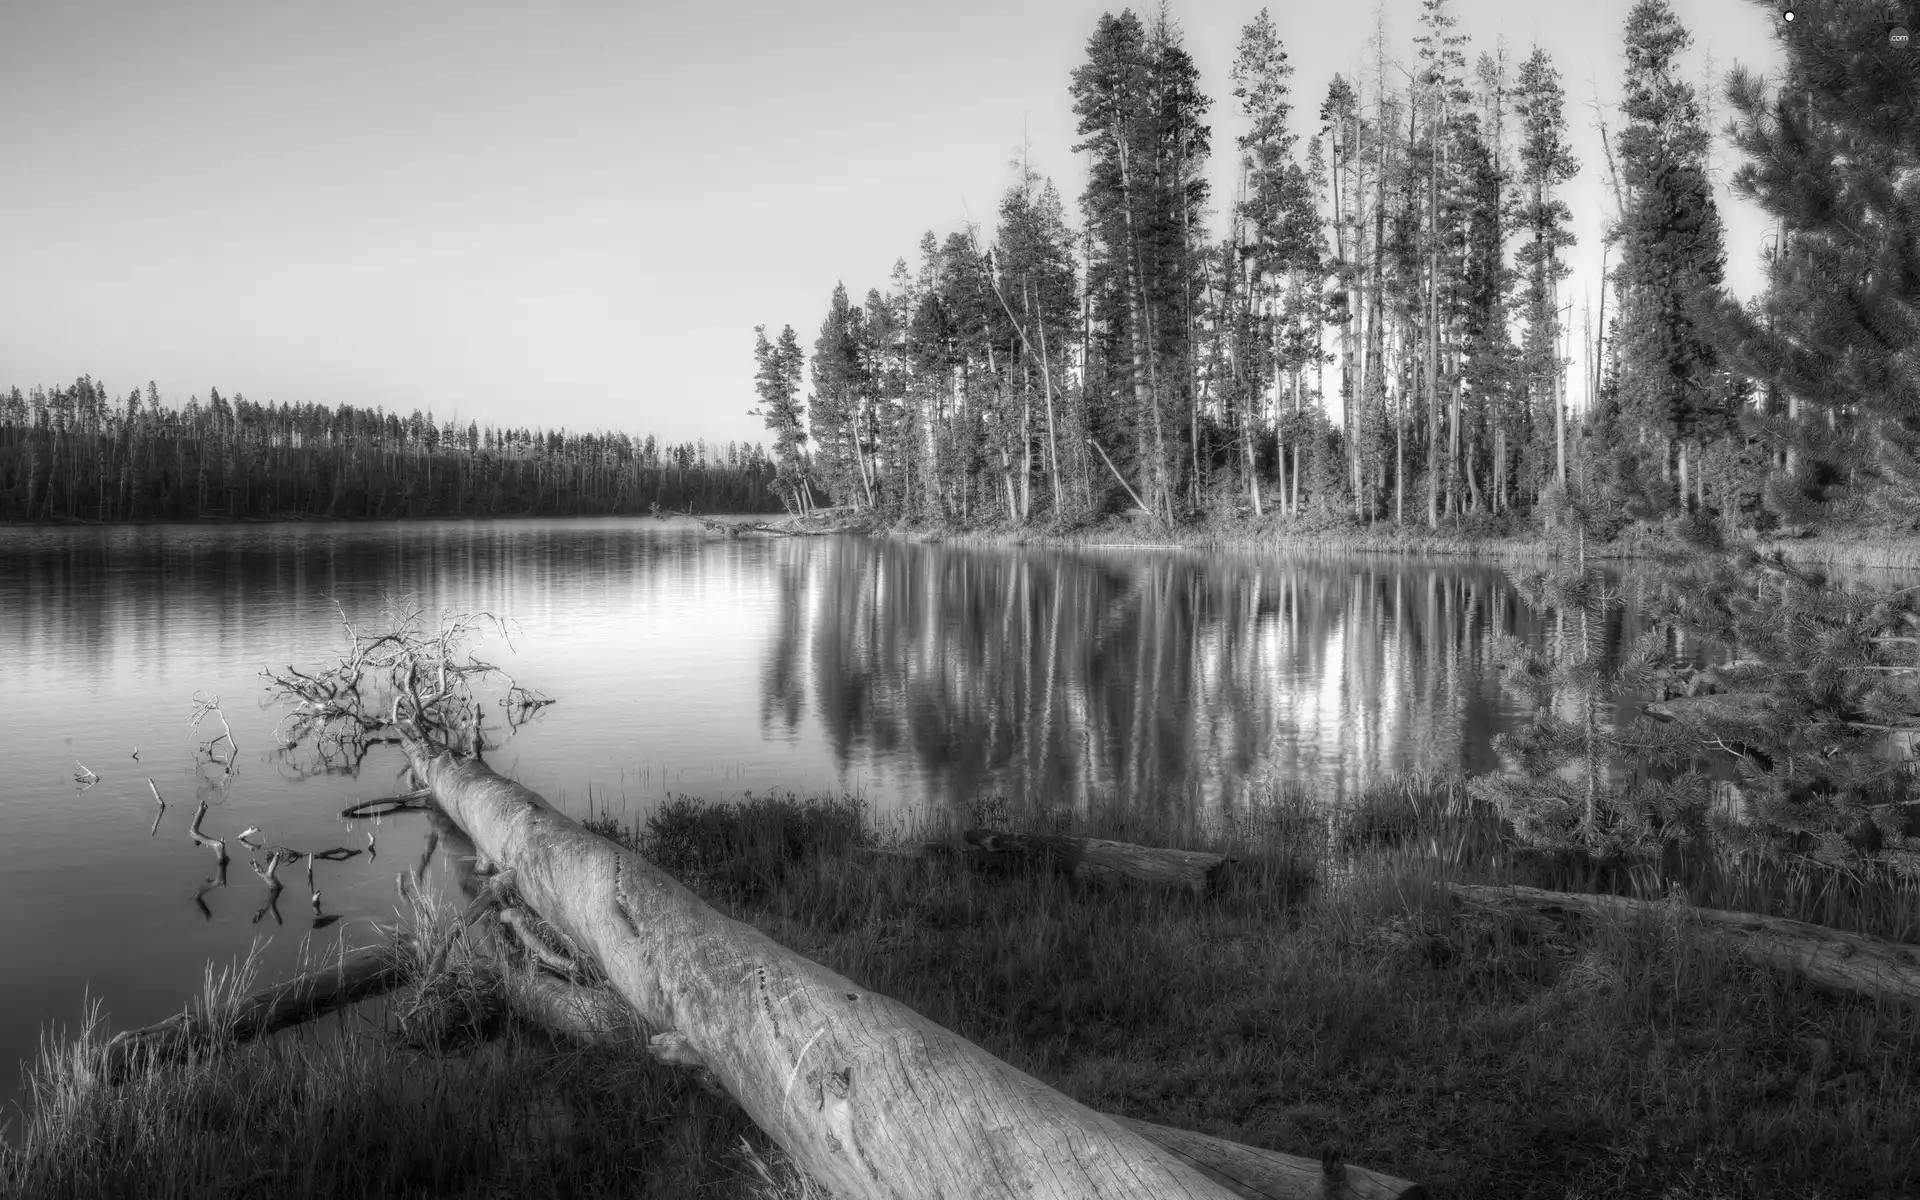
x: 1257, y: 1174
x: 593, y: 1016
x: 1831, y: 958
x: 1196, y: 871
x: 866, y: 1095
x: 359, y: 975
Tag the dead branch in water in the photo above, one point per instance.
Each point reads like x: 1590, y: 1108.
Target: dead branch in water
x: 414, y: 801
x: 209, y: 706
x: 218, y: 846
x: 400, y: 678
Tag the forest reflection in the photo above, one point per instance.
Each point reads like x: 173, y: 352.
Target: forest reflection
x: 1083, y: 680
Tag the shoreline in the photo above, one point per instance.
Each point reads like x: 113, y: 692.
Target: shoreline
x: 1855, y: 550
x: 1862, y: 551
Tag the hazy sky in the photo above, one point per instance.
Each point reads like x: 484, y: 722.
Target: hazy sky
x: 575, y: 213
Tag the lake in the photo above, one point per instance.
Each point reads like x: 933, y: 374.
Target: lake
x: 923, y: 677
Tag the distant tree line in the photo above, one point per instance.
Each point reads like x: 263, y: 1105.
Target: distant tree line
x: 76, y: 453
x: 1382, y: 333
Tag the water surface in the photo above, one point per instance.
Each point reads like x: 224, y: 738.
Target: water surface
x: 923, y: 677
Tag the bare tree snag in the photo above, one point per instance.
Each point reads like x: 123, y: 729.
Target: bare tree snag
x: 865, y: 1094
x: 1196, y: 871
x: 358, y: 975
x: 1847, y: 962
x: 212, y: 843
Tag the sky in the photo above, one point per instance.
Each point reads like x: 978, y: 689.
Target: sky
x: 574, y: 214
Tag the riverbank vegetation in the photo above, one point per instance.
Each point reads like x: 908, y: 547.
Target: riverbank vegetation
x: 1331, y: 994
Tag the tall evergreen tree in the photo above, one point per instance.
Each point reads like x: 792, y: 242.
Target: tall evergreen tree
x: 1834, y: 157
x: 1140, y: 110
x: 843, y: 390
x: 1546, y: 164
x: 777, y: 380
x: 1671, y: 382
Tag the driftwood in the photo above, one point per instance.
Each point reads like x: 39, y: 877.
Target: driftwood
x: 1196, y: 871
x: 359, y: 974
x: 1831, y: 958
x: 866, y: 1095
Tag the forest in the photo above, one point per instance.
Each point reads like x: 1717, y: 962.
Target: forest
x: 1381, y: 333
x: 78, y: 454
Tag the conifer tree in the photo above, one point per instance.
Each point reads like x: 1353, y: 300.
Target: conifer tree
x: 1834, y: 158
x: 1546, y: 164
x: 843, y: 389
x: 1140, y: 108
x: 777, y: 380
x: 1672, y: 386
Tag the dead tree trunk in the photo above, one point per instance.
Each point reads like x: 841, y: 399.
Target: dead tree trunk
x: 1847, y: 962
x: 865, y: 1094
x: 1196, y: 871
x: 359, y: 975
x: 591, y: 1015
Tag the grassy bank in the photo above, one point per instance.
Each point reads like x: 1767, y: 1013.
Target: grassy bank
x: 1333, y: 994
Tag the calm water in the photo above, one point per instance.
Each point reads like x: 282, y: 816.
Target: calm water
x: 921, y: 676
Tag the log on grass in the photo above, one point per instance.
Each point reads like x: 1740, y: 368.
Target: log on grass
x: 1847, y: 962
x: 591, y: 1018
x: 591, y: 1015
x: 866, y: 1095
x: 1196, y: 871
x: 359, y: 975
x: 1257, y: 1174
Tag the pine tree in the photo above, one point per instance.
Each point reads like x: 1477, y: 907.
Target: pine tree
x: 1140, y: 111
x: 1671, y: 383
x: 1036, y: 288
x: 1276, y: 245
x: 843, y: 390
x: 1834, y: 157
x: 1546, y: 164
x: 777, y: 380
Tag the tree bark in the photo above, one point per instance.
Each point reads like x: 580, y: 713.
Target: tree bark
x: 865, y: 1094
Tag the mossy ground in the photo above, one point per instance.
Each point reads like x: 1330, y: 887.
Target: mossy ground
x: 1332, y: 995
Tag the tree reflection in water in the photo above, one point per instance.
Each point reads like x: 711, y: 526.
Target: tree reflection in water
x: 1075, y: 679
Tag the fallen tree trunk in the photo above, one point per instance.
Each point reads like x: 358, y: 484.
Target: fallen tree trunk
x: 1848, y: 962
x: 1196, y: 871
x: 359, y: 975
x: 1257, y: 1174
x: 593, y: 1016
x: 866, y: 1095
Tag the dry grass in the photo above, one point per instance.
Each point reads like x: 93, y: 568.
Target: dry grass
x: 1333, y: 994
